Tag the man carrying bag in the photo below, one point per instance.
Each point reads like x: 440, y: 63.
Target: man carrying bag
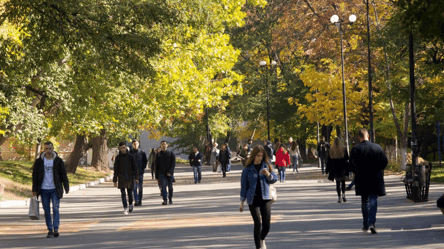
x: 48, y: 175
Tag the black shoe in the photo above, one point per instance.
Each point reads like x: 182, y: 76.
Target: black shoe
x: 50, y: 234
x: 348, y: 188
x: 56, y: 233
x: 130, y: 208
x: 140, y: 203
x: 373, y: 229
x: 343, y: 198
x: 164, y: 203
x: 136, y: 204
x: 171, y: 202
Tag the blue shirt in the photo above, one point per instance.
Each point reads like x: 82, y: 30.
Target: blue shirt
x: 249, y: 182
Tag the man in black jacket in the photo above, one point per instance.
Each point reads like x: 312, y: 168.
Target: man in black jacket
x: 323, y: 149
x: 141, y: 161
x: 368, y: 162
x: 196, y: 162
x: 48, y: 175
x: 126, y: 174
x: 165, y: 164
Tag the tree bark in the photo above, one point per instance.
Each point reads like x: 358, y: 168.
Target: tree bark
x: 79, y: 148
x: 100, y: 152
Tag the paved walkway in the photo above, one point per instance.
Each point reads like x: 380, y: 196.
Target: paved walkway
x: 206, y: 215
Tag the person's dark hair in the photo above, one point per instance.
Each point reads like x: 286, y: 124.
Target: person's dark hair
x: 362, y: 133
x: 122, y: 144
x: 276, y: 140
x: 49, y: 143
x: 163, y: 141
x: 250, y: 140
x: 135, y: 140
x: 256, y: 150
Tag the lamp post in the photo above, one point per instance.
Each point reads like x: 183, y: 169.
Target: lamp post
x: 264, y: 65
x: 370, y: 94
x: 338, y: 23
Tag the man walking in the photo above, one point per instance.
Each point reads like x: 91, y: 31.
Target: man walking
x: 165, y: 164
x: 126, y: 173
x: 196, y: 162
x: 141, y: 161
x: 368, y: 163
x: 48, y: 175
x: 323, y: 148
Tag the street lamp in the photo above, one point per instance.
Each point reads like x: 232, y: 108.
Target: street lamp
x: 264, y: 65
x: 338, y: 23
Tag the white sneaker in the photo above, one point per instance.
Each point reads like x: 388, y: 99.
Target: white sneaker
x: 125, y: 211
x: 263, y: 246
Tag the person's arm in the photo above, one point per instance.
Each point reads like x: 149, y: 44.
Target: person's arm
x: 243, y: 191
x: 64, y: 176
x: 157, y: 165
x: 144, y: 160
x: 116, y: 170
x: 135, y: 168
x: 34, y: 178
x: 172, y: 164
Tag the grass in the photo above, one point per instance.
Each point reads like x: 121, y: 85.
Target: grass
x: 16, y: 176
x: 437, y: 174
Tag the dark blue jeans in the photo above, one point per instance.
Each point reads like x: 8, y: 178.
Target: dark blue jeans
x: 282, y: 173
x: 323, y: 163
x: 197, y: 173
x: 138, y: 187
x: 369, y: 206
x: 166, y: 181
x: 49, y: 195
x: 123, y: 195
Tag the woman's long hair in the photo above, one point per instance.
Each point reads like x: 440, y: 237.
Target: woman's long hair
x: 337, y: 149
x: 256, y: 150
x: 294, y: 145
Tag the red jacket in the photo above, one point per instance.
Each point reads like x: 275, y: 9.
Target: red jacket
x: 282, y: 159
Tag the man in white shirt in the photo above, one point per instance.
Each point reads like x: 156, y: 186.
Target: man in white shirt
x: 48, y: 175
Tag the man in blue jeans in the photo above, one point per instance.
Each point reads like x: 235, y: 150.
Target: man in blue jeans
x: 196, y: 162
x: 165, y: 164
x: 48, y: 175
x: 141, y: 161
x: 368, y: 162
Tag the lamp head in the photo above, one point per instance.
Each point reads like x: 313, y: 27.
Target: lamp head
x: 352, y: 18
x: 262, y: 63
x: 273, y: 63
x: 334, y: 19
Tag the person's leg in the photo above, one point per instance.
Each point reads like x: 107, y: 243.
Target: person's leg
x: 130, y: 196
x: 255, y: 213
x: 170, y: 188
x: 46, y: 197
x: 199, y: 173
x: 343, y: 190
x: 350, y: 186
x: 224, y: 169
x: 136, y: 188
x: 364, y: 209
x: 322, y: 164
x: 372, y: 209
x: 280, y: 174
x: 123, y: 195
x: 163, y: 186
x: 55, y: 210
x: 140, y: 188
x: 195, y: 171
x: 338, y: 188
x: 266, y: 219
x: 296, y: 163
x: 283, y: 172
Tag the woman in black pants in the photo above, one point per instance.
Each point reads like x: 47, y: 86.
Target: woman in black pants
x: 337, y: 167
x: 255, y: 188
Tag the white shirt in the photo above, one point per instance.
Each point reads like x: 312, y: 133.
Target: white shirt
x: 48, y: 179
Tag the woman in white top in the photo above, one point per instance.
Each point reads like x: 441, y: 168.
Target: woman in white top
x: 294, y: 155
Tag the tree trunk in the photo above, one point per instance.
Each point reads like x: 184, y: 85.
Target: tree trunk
x: 100, y: 152
x: 302, y: 148
x: 79, y: 148
x: 404, y: 137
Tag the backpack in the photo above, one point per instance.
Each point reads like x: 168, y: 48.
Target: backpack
x: 323, y: 149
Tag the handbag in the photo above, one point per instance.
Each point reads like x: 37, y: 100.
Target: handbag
x: 219, y: 168
x: 34, y: 208
x: 273, y: 194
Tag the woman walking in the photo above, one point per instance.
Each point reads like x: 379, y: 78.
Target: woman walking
x: 224, y: 159
x: 255, y: 188
x: 214, y: 155
x: 151, y: 161
x: 295, y: 154
x: 337, y: 167
x: 282, y: 161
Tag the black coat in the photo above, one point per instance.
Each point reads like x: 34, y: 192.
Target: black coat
x: 125, y: 171
x: 338, y: 167
x: 59, y: 172
x: 323, y: 148
x: 224, y: 156
x: 197, y: 159
x: 165, y: 163
x: 368, y: 162
x: 140, y: 158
